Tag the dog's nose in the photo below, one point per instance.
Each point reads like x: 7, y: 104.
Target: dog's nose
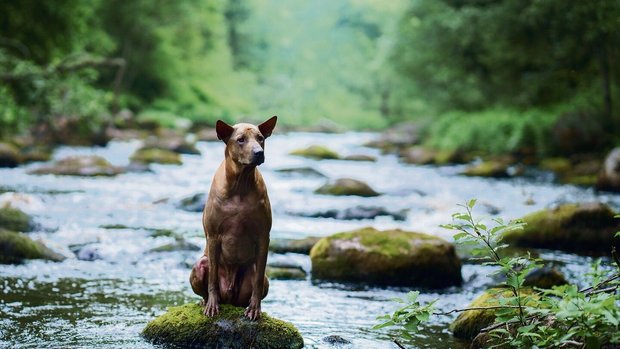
x: 259, y: 157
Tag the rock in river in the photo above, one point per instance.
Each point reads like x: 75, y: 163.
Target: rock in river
x: 9, y: 155
x: 186, y: 326
x: 90, y: 165
x: 317, y: 152
x: 17, y: 247
x: 355, y: 213
x: 469, y: 323
x: 156, y: 155
x: 609, y: 178
x: 194, y: 203
x: 392, y: 257
x: 347, y: 186
x: 301, y: 246
x: 585, y: 227
x: 15, y: 220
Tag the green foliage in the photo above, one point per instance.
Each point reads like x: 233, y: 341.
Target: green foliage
x: 410, y: 316
x: 495, y: 131
x: 564, y: 316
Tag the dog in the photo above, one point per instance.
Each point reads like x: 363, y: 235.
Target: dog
x: 236, y: 220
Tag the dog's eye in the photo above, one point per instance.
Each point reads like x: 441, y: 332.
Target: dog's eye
x: 241, y: 140
x: 260, y: 138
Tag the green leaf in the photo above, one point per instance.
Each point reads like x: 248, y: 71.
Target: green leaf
x: 471, y: 203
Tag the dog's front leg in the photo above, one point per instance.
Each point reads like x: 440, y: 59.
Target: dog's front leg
x: 212, y: 307
x: 258, y: 284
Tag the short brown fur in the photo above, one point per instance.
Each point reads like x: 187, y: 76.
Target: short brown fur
x: 236, y: 221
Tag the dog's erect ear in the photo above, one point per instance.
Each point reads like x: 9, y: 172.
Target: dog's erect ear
x: 223, y: 130
x: 267, y: 126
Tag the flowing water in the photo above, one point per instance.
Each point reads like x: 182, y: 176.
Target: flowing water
x: 107, y: 302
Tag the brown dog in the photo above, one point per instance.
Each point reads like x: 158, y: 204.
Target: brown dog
x: 236, y: 221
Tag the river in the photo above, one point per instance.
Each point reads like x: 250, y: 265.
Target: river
x: 105, y: 303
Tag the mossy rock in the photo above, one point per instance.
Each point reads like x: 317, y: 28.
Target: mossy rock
x: 488, y: 168
x: 15, y: 220
x: 469, y: 323
x: 301, y: 246
x: 545, y: 277
x: 317, y: 152
x: 156, y: 155
x: 418, y: 155
x: 278, y: 273
x: 17, y: 247
x: 557, y: 165
x: 301, y: 171
x: 36, y: 153
x: 360, y: 157
x: 187, y: 327
x: 89, y: 166
x: 9, y: 155
x: 177, y: 144
x: 392, y: 257
x: 586, y: 227
x: 179, y: 245
x: 609, y: 177
x: 193, y: 203
x: 347, y: 186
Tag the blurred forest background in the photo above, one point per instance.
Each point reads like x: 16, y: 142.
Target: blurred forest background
x: 492, y: 75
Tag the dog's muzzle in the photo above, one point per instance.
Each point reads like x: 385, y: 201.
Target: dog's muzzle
x: 259, y: 157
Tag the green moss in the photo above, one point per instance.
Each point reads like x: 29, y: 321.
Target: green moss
x: 17, y: 247
x: 185, y: 326
x: 557, y: 165
x: 469, y: 323
x: 316, y: 152
x: 15, y: 220
x: 179, y: 245
x: 392, y: 257
x: 569, y: 227
x: 114, y: 226
x: 278, y: 273
x: 156, y: 155
x: 347, y: 186
x: 489, y: 168
x: 582, y: 180
x: 360, y: 157
x: 302, y: 246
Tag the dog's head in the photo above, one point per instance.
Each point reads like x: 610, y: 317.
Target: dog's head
x: 245, y: 143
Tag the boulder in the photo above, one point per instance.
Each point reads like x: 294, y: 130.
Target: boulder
x: 488, y: 168
x: 545, y: 277
x: 357, y: 212
x: 207, y: 134
x: 336, y: 340
x: 347, y: 186
x: 418, y: 155
x: 609, y: 177
x: 469, y: 323
x: 89, y: 166
x: 302, y: 246
x: 179, y: 244
x: 17, y: 247
x: 360, y: 157
x: 392, y: 257
x: 194, y: 203
x: 9, y: 155
x: 317, y: 152
x: 301, y: 171
x: 186, y: 326
x: 279, y: 273
x: 585, y: 227
x: 14, y: 219
x: 156, y: 155
x: 36, y: 153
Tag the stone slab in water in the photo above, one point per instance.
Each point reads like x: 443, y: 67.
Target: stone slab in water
x: 187, y: 327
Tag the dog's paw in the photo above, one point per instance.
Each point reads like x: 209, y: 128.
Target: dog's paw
x: 253, y: 312
x: 211, y: 309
